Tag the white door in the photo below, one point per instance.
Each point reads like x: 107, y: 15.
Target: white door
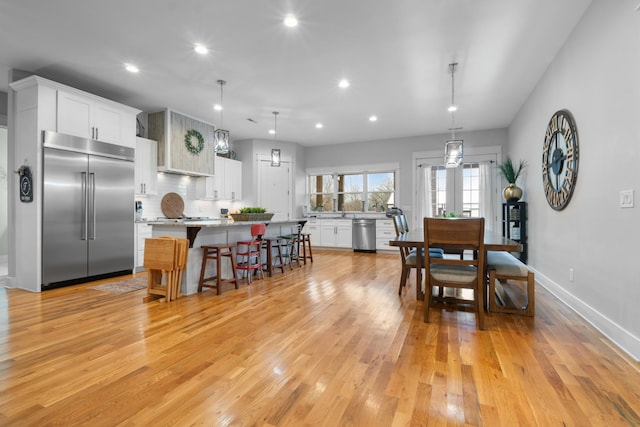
x: 468, y: 190
x: 273, y: 189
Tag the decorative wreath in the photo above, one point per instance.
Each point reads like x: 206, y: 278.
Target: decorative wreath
x: 188, y: 138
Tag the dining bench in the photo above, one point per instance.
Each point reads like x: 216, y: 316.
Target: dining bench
x: 502, y: 266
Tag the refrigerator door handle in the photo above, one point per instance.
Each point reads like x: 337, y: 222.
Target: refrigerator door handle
x: 92, y: 201
x: 85, y: 209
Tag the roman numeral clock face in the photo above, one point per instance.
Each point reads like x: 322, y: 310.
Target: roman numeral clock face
x: 560, y: 159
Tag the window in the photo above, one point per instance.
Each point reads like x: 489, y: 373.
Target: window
x: 381, y: 190
x: 352, y: 192
x: 321, y: 191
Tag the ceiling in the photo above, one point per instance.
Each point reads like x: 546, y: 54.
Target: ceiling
x: 394, y: 53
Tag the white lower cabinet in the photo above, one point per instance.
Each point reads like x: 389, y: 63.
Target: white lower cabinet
x: 385, y: 231
x: 143, y: 231
x: 335, y: 233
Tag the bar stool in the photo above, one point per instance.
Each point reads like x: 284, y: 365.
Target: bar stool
x: 305, y: 244
x: 217, y: 253
x: 272, y: 246
x: 249, y: 252
x: 292, y: 246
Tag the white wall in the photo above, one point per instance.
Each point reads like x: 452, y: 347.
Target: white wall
x: 596, y: 77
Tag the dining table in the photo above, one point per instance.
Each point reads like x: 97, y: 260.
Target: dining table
x: 493, y: 241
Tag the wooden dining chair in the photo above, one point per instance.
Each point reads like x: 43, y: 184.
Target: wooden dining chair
x: 455, y: 233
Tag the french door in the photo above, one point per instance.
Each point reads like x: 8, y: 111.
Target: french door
x: 468, y: 190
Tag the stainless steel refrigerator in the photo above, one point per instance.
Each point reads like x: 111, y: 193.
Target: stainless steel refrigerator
x: 87, y: 218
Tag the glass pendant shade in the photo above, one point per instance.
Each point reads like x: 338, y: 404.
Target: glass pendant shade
x: 221, y: 136
x: 453, y: 153
x: 221, y: 141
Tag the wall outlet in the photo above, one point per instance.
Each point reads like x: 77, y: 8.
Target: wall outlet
x: 571, y: 274
x: 626, y: 198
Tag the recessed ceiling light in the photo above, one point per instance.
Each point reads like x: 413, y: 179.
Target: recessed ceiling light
x: 452, y: 108
x: 319, y: 125
x: 131, y: 68
x: 201, y: 49
x: 217, y: 107
x: 272, y: 131
x: 290, y: 21
x: 373, y: 118
x: 344, y: 83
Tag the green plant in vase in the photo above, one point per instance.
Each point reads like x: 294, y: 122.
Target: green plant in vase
x: 512, y: 193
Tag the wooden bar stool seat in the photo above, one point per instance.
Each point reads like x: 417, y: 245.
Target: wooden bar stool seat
x: 217, y: 253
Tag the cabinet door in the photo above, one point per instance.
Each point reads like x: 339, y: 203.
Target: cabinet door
x: 313, y: 228
x: 107, y: 122
x: 344, y: 236
x: 219, y: 180
x: 205, y: 188
x: 143, y: 231
x: 233, y: 178
x: 146, y: 172
x: 74, y: 115
x: 328, y: 233
x: 88, y: 118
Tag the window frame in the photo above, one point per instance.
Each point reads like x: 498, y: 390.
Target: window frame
x: 338, y: 196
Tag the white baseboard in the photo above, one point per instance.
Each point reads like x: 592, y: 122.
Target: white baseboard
x: 625, y: 340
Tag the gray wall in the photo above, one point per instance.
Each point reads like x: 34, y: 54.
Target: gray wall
x: 595, y: 76
x: 399, y: 150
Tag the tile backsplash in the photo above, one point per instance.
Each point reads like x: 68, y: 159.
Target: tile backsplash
x: 185, y: 186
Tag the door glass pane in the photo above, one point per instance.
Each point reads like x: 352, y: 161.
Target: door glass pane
x: 438, y: 190
x: 471, y: 190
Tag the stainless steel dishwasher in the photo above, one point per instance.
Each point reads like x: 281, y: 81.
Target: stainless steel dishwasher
x: 364, y: 235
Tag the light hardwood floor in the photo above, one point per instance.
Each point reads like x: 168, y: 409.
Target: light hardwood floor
x: 330, y: 343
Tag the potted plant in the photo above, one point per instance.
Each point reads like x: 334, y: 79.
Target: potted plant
x: 512, y: 193
x: 252, y: 214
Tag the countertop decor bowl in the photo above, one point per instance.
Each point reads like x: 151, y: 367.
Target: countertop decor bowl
x: 252, y: 216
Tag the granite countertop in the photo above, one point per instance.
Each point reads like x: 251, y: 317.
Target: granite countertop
x: 211, y: 222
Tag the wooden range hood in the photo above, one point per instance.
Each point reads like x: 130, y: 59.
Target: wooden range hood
x: 170, y: 129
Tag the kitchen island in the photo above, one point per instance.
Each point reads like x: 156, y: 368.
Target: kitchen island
x: 210, y: 232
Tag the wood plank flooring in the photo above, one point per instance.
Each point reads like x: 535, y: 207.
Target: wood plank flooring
x: 327, y: 344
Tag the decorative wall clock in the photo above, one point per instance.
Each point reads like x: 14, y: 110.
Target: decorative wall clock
x: 560, y: 159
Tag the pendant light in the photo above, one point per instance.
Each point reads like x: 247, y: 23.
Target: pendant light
x: 453, y: 148
x: 275, y: 152
x: 221, y: 136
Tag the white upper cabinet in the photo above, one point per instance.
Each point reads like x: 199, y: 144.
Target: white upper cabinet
x: 146, y: 171
x: 87, y: 117
x: 226, y: 184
